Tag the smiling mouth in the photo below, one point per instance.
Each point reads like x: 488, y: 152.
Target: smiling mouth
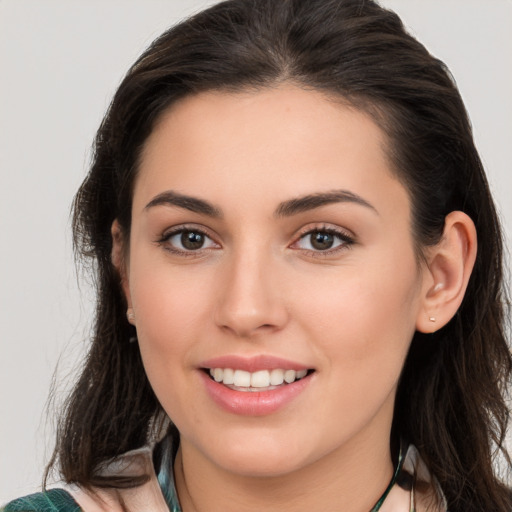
x: 261, y: 380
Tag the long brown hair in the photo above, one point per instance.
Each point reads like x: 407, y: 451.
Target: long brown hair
x: 451, y: 397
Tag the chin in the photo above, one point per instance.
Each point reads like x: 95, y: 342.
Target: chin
x: 255, y: 456
x: 261, y: 465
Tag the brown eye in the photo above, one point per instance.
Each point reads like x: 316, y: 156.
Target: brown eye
x: 192, y: 240
x: 321, y: 240
x: 188, y: 240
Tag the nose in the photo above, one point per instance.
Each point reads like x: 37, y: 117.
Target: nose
x: 250, y: 300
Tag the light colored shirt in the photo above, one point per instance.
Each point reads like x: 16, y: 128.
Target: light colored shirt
x: 412, y: 488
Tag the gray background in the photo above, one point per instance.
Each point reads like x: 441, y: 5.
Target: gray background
x: 60, y: 62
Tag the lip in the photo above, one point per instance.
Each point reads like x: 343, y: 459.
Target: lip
x: 252, y: 364
x: 253, y: 403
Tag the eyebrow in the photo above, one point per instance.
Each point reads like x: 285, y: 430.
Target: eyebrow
x: 312, y: 201
x: 285, y: 209
x: 193, y: 204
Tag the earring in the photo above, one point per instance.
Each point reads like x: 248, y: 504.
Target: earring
x: 130, y: 315
x: 432, y: 318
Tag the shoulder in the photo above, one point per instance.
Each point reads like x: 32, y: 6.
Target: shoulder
x: 53, y: 500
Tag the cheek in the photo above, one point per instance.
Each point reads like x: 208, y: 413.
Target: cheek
x: 167, y: 301
x: 170, y: 307
x: 363, y: 329
x: 168, y: 316
x: 364, y: 316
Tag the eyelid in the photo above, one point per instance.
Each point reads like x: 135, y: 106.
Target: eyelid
x: 180, y: 228
x: 346, y: 236
x: 325, y: 226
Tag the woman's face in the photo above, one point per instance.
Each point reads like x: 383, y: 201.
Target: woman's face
x: 270, y: 240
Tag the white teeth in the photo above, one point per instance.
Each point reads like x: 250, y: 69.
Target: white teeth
x: 258, y: 379
x: 242, y: 378
x: 276, y: 377
x: 229, y: 376
x: 289, y: 376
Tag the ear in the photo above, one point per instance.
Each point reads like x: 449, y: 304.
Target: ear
x: 447, y: 273
x: 119, y: 260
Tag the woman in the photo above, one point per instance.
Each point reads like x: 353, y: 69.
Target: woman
x: 284, y: 209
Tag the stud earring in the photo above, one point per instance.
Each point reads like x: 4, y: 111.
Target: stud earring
x: 130, y: 315
x: 432, y: 318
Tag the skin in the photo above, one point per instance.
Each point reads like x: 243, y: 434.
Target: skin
x: 258, y: 286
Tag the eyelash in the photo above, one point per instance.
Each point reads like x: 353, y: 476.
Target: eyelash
x: 180, y: 230
x: 345, y: 241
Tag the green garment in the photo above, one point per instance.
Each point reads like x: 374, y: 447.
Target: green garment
x: 411, y: 484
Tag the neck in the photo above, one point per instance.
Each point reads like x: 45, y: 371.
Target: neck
x: 351, y: 479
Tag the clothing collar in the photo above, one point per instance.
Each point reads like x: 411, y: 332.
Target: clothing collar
x: 411, y: 489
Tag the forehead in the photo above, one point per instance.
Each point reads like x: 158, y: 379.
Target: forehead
x: 275, y: 143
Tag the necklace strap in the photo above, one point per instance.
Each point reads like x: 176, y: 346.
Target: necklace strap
x: 398, y: 468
